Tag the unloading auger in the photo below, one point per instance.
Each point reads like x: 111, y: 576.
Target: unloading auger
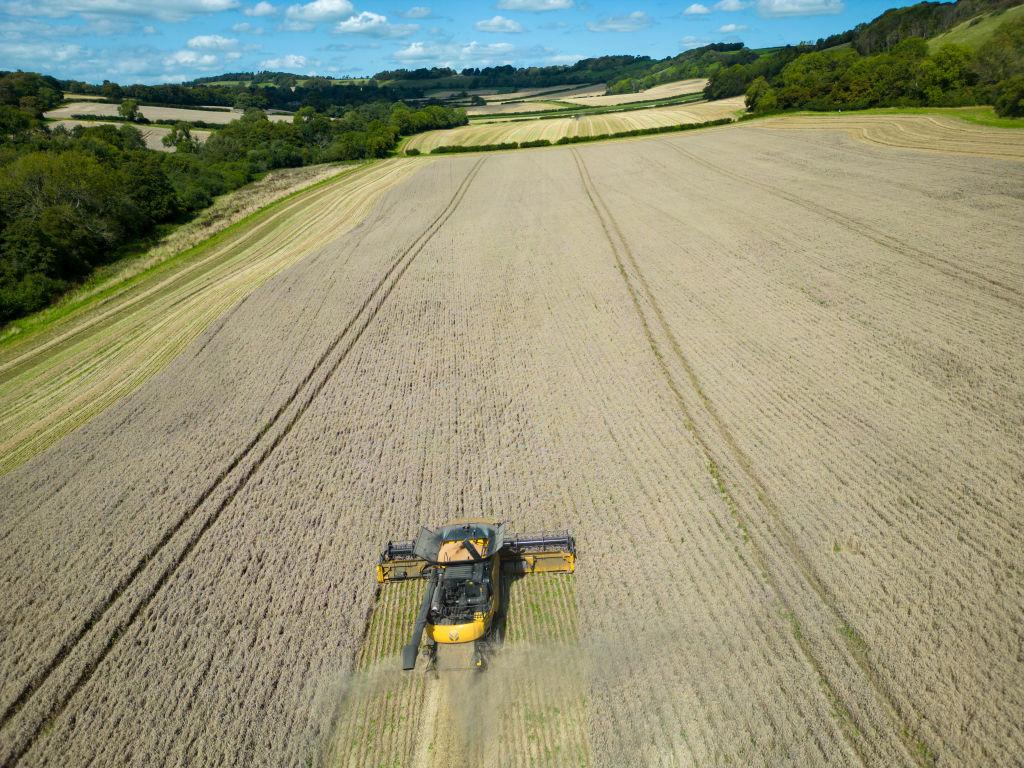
x: 463, y: 564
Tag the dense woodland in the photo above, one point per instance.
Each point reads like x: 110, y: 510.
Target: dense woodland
x: 906, y: 74
x: 73, y: 200
x: 698, y: 62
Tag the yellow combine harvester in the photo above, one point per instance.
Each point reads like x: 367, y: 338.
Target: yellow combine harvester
x: 463, y: 565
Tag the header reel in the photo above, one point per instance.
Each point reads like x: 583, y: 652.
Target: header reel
x: 463, y: 564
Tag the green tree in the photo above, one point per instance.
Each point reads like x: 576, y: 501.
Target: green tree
x: 180, y: 138
x: 1009, y: 100
x: 129, y: 110
x: 1002, y: 55
x: 253, y: 99
x: 14, y: 122
x: 761, y: 97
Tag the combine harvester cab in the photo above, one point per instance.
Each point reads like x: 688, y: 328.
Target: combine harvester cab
x: 463, y: 564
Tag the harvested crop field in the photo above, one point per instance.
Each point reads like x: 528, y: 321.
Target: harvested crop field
x: 556, y: 92
x: 103, y: 109
x: 932, y: 133
x: 663, y: 91
x: 516, y: 107
x: 152, y: 134
x: 50, y: 383
x: 779, y: 408
x: 553, y: 129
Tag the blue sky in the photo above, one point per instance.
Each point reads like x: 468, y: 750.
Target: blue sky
x: 174, y: 40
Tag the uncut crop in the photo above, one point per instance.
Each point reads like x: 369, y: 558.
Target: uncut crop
x: 770, y: 379
x: 530, y: 705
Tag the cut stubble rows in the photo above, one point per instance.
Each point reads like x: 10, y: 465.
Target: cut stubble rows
x: 779, y: 409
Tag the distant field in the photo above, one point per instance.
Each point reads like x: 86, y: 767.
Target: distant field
x: 974, y: 32
x: 516, y: 107
x: 556, y: 92
x: 665, y: 91
x: 584, y: 125
x: 153, y: 134
x: 927, y: 132
x: 103, y: 109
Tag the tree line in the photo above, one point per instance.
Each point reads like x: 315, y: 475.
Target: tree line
x: 597, y: 69
x: 283, y: 92
x: 907, y: 74
x: 71, y: 201
x: 697, y: 62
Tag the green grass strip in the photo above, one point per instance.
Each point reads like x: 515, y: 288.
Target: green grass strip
x: 23, y: 331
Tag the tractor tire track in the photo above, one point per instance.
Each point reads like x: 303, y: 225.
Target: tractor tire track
x: 353, y: 330
x: 996, y: 288
x: 640, y: 294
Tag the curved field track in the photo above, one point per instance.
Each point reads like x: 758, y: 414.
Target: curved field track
x: 553, y: 129
x: 771, y: 380
x: 51, y: 384
x: 932, y: 133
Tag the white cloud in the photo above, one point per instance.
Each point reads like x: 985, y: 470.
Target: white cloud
x: 373, y: 24
x: 176, y: 11
x: 33, y: 52
x: 211, y: 42
x: 689, y: 42
x: 468, y: 54
x: 289, y: 61
x: 498, y: 24
x: 731, y: 5
x: 149, y: 29
x: 799, y: 7
x: 261, y: 9
x: 246, y: 28
x: 417, y: 12
x: 564, y: 58
x: 190, y: 59
x: 630, y: 23
x: 696, y: 10
x: 318, y: 10
x: 534, y: 5
x: 727, y: 28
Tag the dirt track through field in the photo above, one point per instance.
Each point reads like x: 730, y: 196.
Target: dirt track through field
x: 779, y: 408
